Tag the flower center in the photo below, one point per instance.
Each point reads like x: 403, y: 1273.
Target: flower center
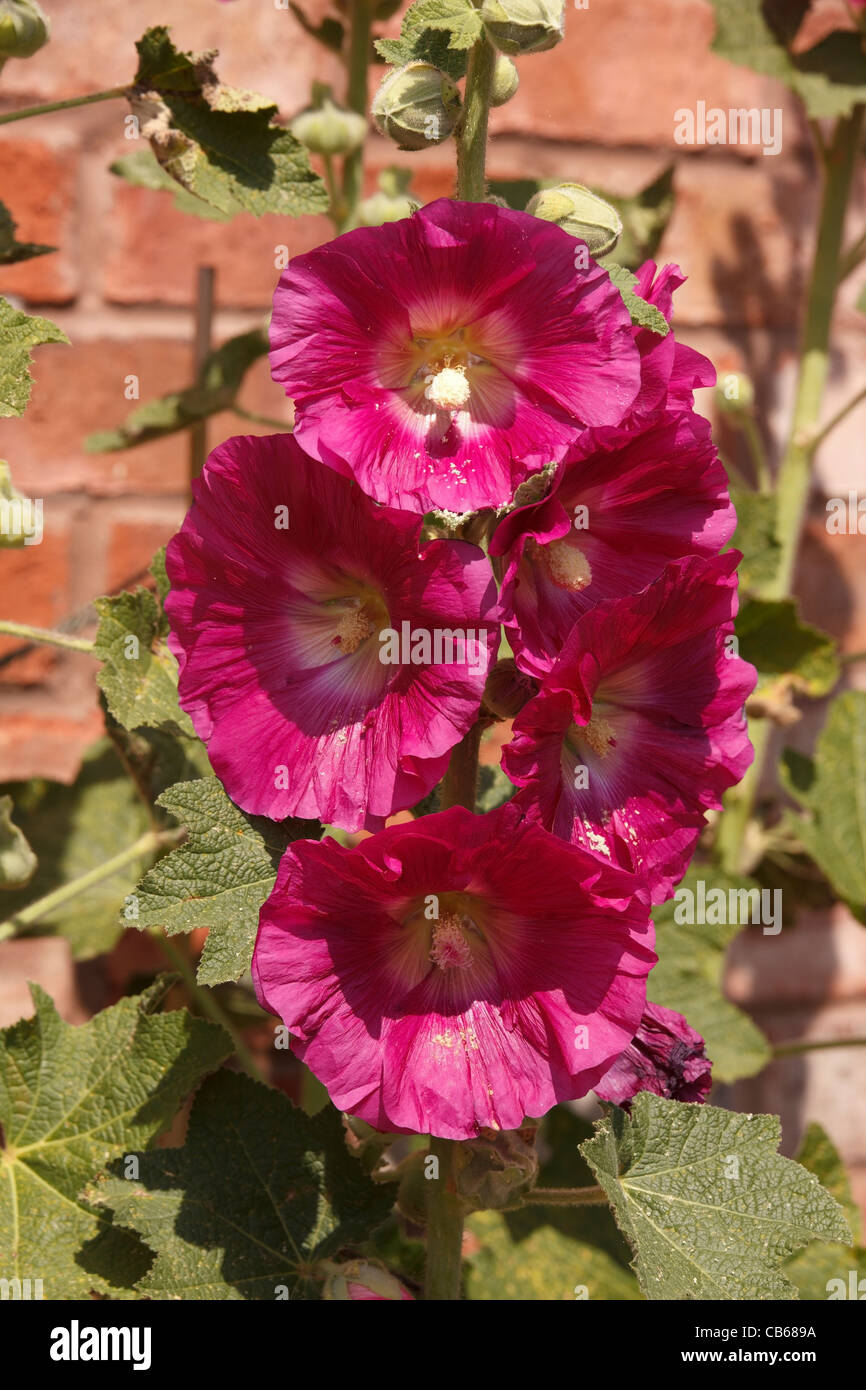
x: 597, y: 734
x: 353, y: 628
x: 566, y: 564
x: 450, y: 948
x: 448, y: 388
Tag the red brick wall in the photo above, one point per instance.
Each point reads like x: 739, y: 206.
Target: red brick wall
x: 600, y: 109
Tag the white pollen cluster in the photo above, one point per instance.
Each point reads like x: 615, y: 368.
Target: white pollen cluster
x: 448, y: 389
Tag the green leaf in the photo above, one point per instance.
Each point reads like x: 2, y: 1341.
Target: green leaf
x: 259, y: 1192
x: 645, y: 215
x: 428, y: 34
x: 545, y: 1266
x: 709, y: 1207
x: 143, y: 170
x: 830, y: 79
x: 74, y: 830
x: 19, y: 333
x: 755, y: 537
x: 17, y: 860
x: 221, y: 379
x: 221, y: 144
x: 71, y: 1101
x: 643, y: 314
x: 330, y: 33
x: 813, y: 1269
x: 139, y: 673
x: 12, y: 250
x: 219, y: 878
x: 688, y: 977
x: 835, y: 834
x: 787, y: 653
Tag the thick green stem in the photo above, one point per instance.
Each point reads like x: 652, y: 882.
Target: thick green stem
x: 444, y: 1226
x: 567, y: 1197
x: 44, y: 634
x: 36, y: 911
x: 472, y: 134
x: 357, y: 63
x: 460, y: 783
x: 792, y: 483
x: 791, y: 1049
x: 110, y: 95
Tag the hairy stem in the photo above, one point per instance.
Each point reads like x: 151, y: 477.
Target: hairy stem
x: 44, y: 634
x: 567, y: 1197
x: 111, y: 94
x: 444, y: 1226
x: 357, y: 63
x: 472, y: 133
x: 460, y: 783
x: 149, y: 843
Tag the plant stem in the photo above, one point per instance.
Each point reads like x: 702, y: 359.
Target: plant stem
x: 838, y: 418
x: 207, y: 1002
x: 852, y: 258
x: 567, y: 1197
x: 790, y: 1049
x: 461, y: 780
x: 792, y: 482
x: 35, y: 911
x: 44, y: 634
x: 444, y: 1226
x: 472, y: 134
x: 357, y: 63
x: 758, y: 454
x: 110, y: 95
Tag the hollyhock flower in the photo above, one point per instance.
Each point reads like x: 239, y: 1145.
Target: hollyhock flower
x: 326, y: 663
x: 665, y: 1056
x: 362, y: 1281
x: 639, y: 727
x: 454, y: 974
x: 442, y: 359
x: 607, y: 528
x: 670, y: 371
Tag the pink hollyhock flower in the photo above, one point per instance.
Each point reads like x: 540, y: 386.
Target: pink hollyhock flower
x: 363, y: 1281
x: 454, y: 974
x: 670, y: 371
x: 639, y: 727
x: 665, y: 1056
x: 443, y: 358
x: 607, y: 528
x: 328, y: 665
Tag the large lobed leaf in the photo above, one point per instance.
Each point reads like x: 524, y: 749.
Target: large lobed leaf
x: 71, y: 1101
x: 710, y: 1208
x: 19, y: 333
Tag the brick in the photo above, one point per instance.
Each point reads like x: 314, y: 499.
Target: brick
x: 47, y: 961
x: 38, y: 186
x: 46, y: 744
x: 136, y: 532
x: 35, y: 581
x: 822, y: 957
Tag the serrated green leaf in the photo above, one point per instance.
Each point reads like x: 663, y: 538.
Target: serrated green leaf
x: 219, y: 878
x: 74, y: 830
x: 258, y: 1193
x: 459, y: 18
x: 786, y: 652
x: 425, y: 38
x: 19, y: 334
x: 755, y: 537
x: 814, y: 1268
x: 221, y: 379
x: 830, y: 79
x: 835, y: 834
x: 688, y: 976
x: 221, y: 144
x: 139, y: 673
x: 709, y: 1207
x: 643, y: 314
x: 17, y: 860
x: 546, y: 1266
x: 143, y: 170
x: 12, y: 250
x: 71, y: 1101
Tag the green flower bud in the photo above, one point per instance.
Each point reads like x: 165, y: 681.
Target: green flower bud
x: 581, y: 213
x: 326, y: 128
x: 506, y: 80
x: 17, y: 860
x: 735, y: 394
x: 391, y: 202
x: 416, y: 106
x: 23, y: 29
x: 524, y: 26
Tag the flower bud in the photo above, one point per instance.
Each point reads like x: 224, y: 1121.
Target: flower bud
x: 497, y: 1169
x: 326, y: 128
x: 735, y: 394
x: 416, y: 106
x: 508, y: 689
x: 17, y: 860
x: 506, y: 80
x: 23, y: 29
x: 390, y: 203
x: 524, y: 26
x: 359, y: 1279
x: 581, y: 213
